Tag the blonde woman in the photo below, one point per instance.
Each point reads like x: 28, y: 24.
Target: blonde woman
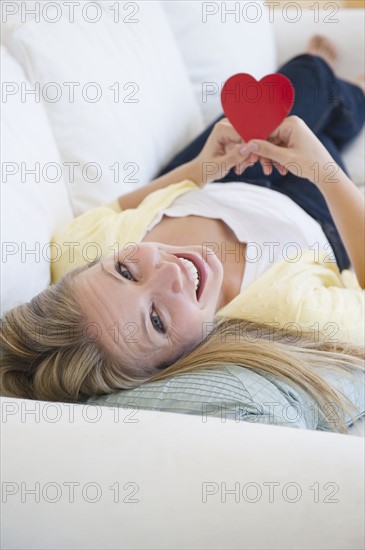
x: 175, y: 291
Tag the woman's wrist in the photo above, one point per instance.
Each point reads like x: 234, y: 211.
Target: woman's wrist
x: 194, y: 171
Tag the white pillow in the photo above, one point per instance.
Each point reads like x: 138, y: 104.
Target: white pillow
x: 135, y: 130
x: 219, y: 39
x: 30, y: 211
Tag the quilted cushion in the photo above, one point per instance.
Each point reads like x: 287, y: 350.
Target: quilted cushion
x: 235, y: 393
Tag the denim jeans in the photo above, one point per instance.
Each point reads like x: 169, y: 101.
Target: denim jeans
x: 334, y: 110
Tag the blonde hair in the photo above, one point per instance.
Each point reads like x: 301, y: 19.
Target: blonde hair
x: 47, y: 353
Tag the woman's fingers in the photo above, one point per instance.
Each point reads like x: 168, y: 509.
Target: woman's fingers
x: 266, y: 166
x: 268, y: 153
x: 248, y: 161
x: 264, y: 149
x: 251, y: 158
x: 226, y: 131
x: 280, y: 168
x: 233, y: 158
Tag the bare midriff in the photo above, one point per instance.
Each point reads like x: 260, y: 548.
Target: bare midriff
x: 199, y: 230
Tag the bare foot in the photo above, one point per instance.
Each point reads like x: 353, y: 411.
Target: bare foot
x: 323, y: 47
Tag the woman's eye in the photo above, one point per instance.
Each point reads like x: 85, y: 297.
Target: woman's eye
x: 122, y: 270
x: 156, y: 322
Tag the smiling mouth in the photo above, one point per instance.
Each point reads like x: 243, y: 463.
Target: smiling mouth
x: 196, y: 270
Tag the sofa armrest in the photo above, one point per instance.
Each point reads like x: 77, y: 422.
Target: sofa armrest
x: 82, y: 476
x: 345, y: 27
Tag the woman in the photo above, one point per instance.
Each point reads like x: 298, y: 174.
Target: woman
x: 168, y: 296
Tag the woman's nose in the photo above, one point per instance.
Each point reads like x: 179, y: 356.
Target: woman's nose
x: 168, y: 277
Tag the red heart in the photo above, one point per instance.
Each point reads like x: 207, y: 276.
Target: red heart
x: 256, y: 108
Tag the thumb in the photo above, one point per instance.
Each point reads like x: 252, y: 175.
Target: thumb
x: 236, y: 154
x: 266, y: 149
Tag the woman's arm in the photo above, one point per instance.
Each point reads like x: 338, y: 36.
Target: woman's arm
x: 347, y: 206
x: 219, y: 154
x: 186, y: 171
x: 293, y: 142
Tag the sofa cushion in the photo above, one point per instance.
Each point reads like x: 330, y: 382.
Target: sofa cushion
x: 87, y: 477
x: 219, y: 39
x: 33, y: 205
x: 116, y: 92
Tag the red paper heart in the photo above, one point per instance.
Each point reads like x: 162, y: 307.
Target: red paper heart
x: 256, y: 108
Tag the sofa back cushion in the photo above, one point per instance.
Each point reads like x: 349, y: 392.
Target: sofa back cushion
x: 219, y: 39
x: 116, y: 91
x: 34, y: 201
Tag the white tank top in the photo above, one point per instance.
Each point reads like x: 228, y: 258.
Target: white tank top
x: 272, y: 225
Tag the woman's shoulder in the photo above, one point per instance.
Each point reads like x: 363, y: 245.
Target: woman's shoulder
x: 309, y: 294
x: 305, y: 270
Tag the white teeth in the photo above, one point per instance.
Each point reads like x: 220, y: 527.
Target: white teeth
x: 193, y: 270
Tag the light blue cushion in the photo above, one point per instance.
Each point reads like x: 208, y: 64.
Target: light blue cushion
x: 236, y: 393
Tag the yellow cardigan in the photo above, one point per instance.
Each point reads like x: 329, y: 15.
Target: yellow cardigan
x: 304, y: 294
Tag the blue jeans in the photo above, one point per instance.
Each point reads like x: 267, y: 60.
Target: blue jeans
x: 334, y: 110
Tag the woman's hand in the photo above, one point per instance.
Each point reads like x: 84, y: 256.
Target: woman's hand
x: 221, y: 152
x: 291, y: 147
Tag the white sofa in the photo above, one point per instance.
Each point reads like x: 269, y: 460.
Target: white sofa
x: 118, y: 88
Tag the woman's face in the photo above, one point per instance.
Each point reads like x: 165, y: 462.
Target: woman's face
x: 144, y: 304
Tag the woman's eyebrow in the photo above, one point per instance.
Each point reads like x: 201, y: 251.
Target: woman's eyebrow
x: 94, y: 262
x: 83, y: 268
